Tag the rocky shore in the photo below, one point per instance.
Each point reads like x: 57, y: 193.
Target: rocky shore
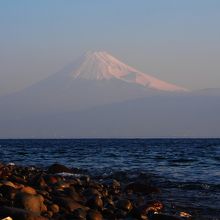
x: 60, y: 193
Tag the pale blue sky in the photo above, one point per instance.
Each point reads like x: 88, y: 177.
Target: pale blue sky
x: 178, y: 41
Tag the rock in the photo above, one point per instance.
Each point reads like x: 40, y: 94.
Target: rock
x: 29, y: 190
x: 109, y: 213
x: 54, y: 208
x: 79, y: 213
x: 95, y: 202
x: 48, y: 214
x: 30, y: 202
x: 51, y: 180
x: 19, y: 214
x: 7, y: 218
x: 115, y: 184
x: 119, y: 213
x: 138, y: 213
x: 85, y: 179
x: 68, y: 204
x: 58, y: 168
x: 150, y: 208
x: 8, y: 192
x: 185, y: 215
x: 125, y: 205
x: 93, y: 215
x: 109, y: 203
x: 8, y: 183
x: 39, y: 181
x: 153, y: 206
x: 91, y: 192
x: 71, y: 192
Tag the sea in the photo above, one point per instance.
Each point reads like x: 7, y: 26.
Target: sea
x: 186, y: 170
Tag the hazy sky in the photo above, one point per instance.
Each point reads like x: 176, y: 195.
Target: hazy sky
x: 178, y: 41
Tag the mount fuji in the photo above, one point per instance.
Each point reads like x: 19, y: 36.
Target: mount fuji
x: 103, y: 66
x: 94, y: 79
x: 99, y: 96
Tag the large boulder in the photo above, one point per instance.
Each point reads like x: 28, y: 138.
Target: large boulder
x: 58, y: 168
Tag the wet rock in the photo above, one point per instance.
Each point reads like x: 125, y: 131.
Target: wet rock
x: 8, y: 183
x: 109, y: 213
x: 185, y: 215
x: 115, y: 184
x: 85, y: 179
x: 79, y: 214
x: 125, y: 205
x: 8, y: 192
x: 19, y: 214
x: 138, y: 213
x: 91, y: 192
x: 29, y: 190
x: 51, y: 180
x: 54, y: 208
x: 68, y: 204
x: 119, y: 213
x: 48, y: 214
x: 93, y: 215
x: 58, y: 168
x: 95, y: 202
x: 71, y: 192
x: 153, y: 206
x: 39, y: 181
x: 109, y: 203
x: 30, y: 202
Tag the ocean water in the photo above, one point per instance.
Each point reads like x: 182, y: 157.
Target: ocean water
x: 186, y: 170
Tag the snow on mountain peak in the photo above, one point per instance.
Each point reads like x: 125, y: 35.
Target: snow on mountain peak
x: 103, y: 66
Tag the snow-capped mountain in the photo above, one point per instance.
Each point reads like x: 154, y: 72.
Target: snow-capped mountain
x: 97, y: 95
x: 95, y: 79
x: 103, y: 66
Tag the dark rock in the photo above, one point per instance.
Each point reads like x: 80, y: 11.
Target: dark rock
x: 79, y: 213
x: 153, y: 206
x: 30, y: 202
x: 115, y: 184
x: 109, y: 213
x: 8, y: 192
x: 119, y: 213
x: 125, y: 205
x: 95, y: 202
x: 91, y: 192
x: 71, y: 192
x: 93, y: 215
x: 138, y: 213
x: 69, y: 204
x: 54, y: 208
x: 19, y: 214
x: 58, y: 168
x: 29, y: 190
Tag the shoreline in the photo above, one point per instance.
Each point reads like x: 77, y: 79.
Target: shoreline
x: 61, y: 193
